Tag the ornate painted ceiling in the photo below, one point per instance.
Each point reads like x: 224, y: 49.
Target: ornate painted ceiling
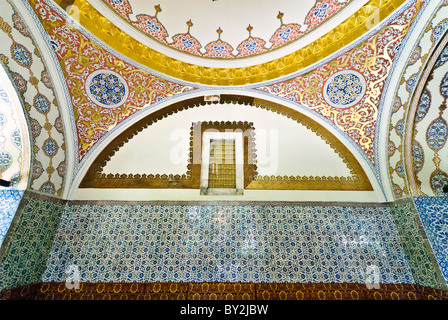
x: 224, y: 29
x: 346, y: 25
x: 329, y: 65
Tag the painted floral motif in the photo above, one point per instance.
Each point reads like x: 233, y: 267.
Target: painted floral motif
x: 186, y: 42
x: 423, y: 107
x: 358, y: 120
x: 321, y: 11
x: 251, y: 46
x: 438, y: 180
x: 37, y: 170
x: 153, y: 27
x: 19, y: 81
x: 285, y: 34
x: 443, y: 58
x: 50, y: 147
x: 344, y: 89
x: 391, y: 148
x: 16, y: 138
x: 444, y: 86
x: 418, y: 156
x: 47, y: 187
x: 107, y: 89
x: 21, y: 55
x: 218, y: 48
x: 36, y: 128
x: 437, y: 134
x: 28, y: 72
x: 20, y: 25
x: 2, y: 119
x: 103, y: 105
x: 42, y: 104
x: 5, y: 160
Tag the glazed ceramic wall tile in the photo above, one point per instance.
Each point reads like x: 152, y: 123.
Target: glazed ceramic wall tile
x: 9, y: 201
x: 260, y: 243
x: 25, y: 249
x: 433, y: 212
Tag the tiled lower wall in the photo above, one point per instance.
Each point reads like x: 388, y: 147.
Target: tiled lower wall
x: 24, y: 251
x: 416, y: 245
x: 9, y: 201
x: 433, y: 212
x: 225, y: 242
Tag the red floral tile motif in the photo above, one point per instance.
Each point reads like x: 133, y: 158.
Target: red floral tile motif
x: 121, y: 6
x: 285, y: 34
x: 322, y: 11
x: 152, y: 26
x: 146, y: 23
x: 186, y: 42
x: 218, y: 48
x: 80, y: 58
x: 251, y: 45
x: 372, y: 59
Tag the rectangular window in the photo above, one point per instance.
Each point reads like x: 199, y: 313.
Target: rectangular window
x: 222, y: 166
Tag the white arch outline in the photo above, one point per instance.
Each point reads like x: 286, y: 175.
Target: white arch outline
x: 92, y: 155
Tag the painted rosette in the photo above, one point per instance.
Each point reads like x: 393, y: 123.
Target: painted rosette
x: 107, y: 89
x: 344, y: 89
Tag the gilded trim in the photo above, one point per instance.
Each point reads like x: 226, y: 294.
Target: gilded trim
x: 343, y: 34
x: 357, y: 181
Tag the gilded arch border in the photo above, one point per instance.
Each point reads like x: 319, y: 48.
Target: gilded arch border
x: 345, y: 33
x: 358, y: 181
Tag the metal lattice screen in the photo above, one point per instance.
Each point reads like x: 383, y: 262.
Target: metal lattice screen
x: 222, y: 167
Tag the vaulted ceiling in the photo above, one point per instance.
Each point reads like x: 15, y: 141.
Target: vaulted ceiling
x: 319, y: 81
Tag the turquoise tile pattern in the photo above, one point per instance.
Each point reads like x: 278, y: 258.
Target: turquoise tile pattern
x: 221, y: 242
x: 416, y: 245
x: 24, y: 252
x: 9, y: 201
x: 433, y: 212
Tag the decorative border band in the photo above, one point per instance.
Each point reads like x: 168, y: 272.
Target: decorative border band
x: 222, y: 291
x: 343, y: 34
x: 358, y: 181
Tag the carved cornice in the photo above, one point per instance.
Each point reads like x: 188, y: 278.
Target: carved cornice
x: 358, y: 180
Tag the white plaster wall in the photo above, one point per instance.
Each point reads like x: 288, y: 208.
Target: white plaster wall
x: 249, y: 195
x: 283, y: 146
